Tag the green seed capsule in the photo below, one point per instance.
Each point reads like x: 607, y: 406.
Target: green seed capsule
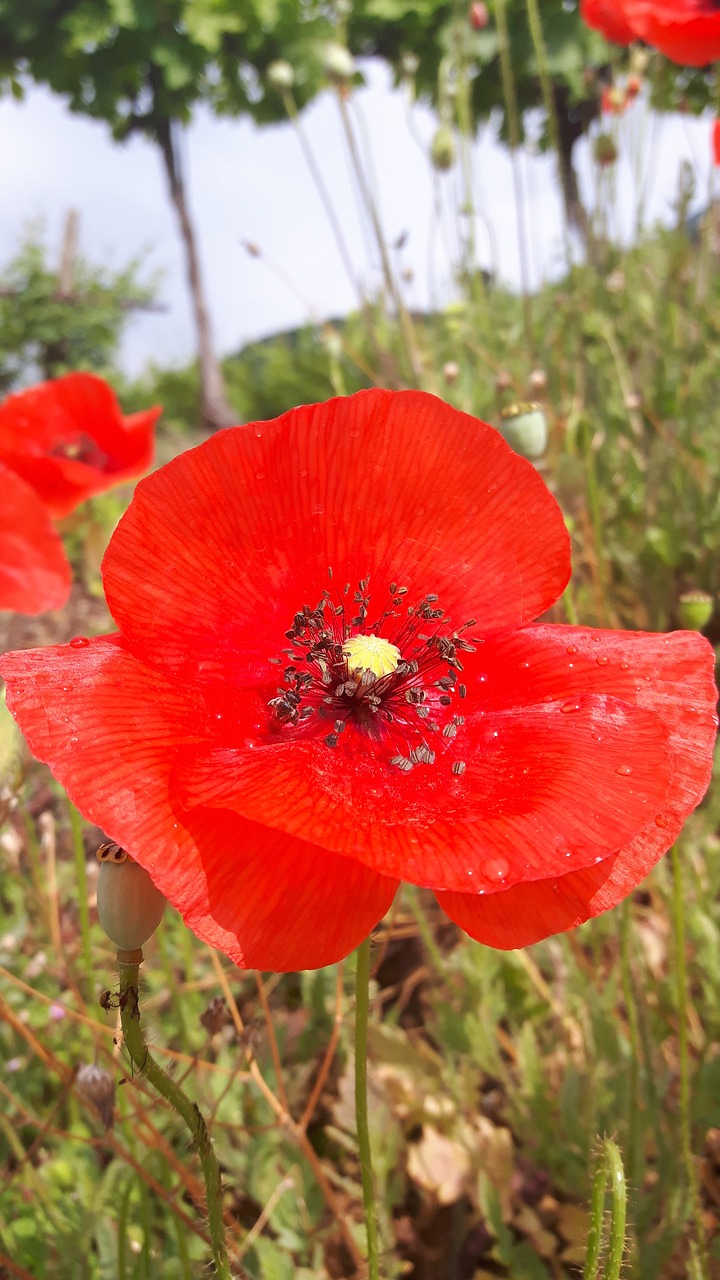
x: 442, y: 150
x: 281, y: 75
x: 695, y: 610
x: 129, y: 906
x: 525, y: 428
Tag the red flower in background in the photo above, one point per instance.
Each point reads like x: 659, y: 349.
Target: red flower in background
x: 60, y: 442
x: 686, y: 31
x: 716, y: 142
x: 608, y: 17
x: 325, y: 682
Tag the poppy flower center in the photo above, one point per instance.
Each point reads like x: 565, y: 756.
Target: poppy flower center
x: 393, y: 677
x: 81, y: 448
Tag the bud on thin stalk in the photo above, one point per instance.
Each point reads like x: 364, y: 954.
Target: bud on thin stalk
x: 129, y: 906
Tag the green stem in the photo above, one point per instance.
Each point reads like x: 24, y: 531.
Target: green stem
x: 188, y: 1111
x: 362, y: 1002
x: 609, y: 1169
x: 76, y: 826
x: 513, y: 124
x: 546, y: 84
x: 697, y: 1259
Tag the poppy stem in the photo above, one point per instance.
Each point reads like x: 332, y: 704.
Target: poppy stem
x: 188, y: 1111
x: 697, y: 1246
x: 362, y: 1003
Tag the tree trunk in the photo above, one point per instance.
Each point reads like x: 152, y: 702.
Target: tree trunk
x: 573, y: 120
x: 216, y: 411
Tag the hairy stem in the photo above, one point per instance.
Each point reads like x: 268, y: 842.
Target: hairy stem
x: 362, y: 1002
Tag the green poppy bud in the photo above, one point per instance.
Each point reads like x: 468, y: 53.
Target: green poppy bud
x: 695, y: 610
x: 525, y: 428
x: 129, y: 906
x: 281, y: 75
x: 442, y: 150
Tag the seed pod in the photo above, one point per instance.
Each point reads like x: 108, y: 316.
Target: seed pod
x: 525, y: 428
x: 129, y: 906
x: 695, y: 609
x: 96, y: 1086
x: 605, y: 149
x: 281, y: 75
x: 442, y: 150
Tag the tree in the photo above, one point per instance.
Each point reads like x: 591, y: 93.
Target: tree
x: 142, y: 66
x: 54, y: 321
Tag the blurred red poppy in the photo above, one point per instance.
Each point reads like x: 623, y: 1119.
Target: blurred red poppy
x: 325, y: 682
x: 716, y: 142
x: 608, y: 17
x: 60, y: 442
x: 686, y: 31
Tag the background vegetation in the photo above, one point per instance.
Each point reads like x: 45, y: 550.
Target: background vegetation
x: 493, y: 1075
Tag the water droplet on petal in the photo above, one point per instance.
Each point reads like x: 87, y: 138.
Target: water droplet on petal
x: 251, y: 743
x: 572, y: 648
x: 661, y: 820
x: 483, y: 679
x: 567, y: 707
x: 79, y: 642
x: 624, y: 666
x: 624, y: 769
x: 420, y: 509
x: 596, y: 737
x: 602, y: 661
x: 524, y: 665
x: 496, y: 869
x: 259, y: 475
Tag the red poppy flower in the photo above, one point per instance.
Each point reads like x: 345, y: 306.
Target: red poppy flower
x: 325, y: 682
x: 716, y: 142
x: 608, y: 17
x: 686, y: 31
x: 60, y: 442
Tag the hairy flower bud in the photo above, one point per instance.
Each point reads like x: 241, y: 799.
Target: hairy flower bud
x: 97, y: 1087
x: 478, y: 16
x: 338, y: 62
x: 524, y: 426
x: 281, y: 75
x: 129, y: 906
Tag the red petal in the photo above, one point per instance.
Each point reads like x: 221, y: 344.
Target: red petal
x: 109, y: 728
x: 671, y: 675
x: 545, y: 787
x: 686, y: 31
x: 42, y: 428
x: 608, y: 17
x: 221, y: 547
x: 34, y: 571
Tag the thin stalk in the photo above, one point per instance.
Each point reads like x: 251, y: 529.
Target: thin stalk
x: 76, y: 826
x: 633, y: 1119
x: 697, y: 1247
x: 536, y: 34
x: 188, y: 1111
x: 513, y: 122
x: 362, y: 1004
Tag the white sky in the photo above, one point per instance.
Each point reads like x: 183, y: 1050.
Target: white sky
x: 253, y: 184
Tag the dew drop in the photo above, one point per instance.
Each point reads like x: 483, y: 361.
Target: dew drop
x: 595, y: 639
x: 251, y: 743
x: 495, y: 734
x: 624, y: 769
x: 624, y: 666
x: 572, y: 648
x: 596, y: 737
x: 602, y: 661
x: 661, y: 820
x: 420, y: 509
x: 524, y: 666
x: 496, y: 869
x: 492, y: 486
x: 219, y: 715
x: 259, y: 475
x: 354, y: 433
x: 259, y: 431
x: 483, y: 679
x: 567, y: 707
x: 79, y: 642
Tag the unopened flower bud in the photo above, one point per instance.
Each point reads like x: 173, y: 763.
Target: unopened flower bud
x: 524, y: 426
x: 503, y: 382
x: 338, y: 62
x: 97, y: 1087
x: 695, y: 609
x: 478, y: 16
x: 451, y: 371
x: 605, y: 149
x: 538, y: 381
x: 442, y: 150
x: 281, y: 75
x: 129, y: 906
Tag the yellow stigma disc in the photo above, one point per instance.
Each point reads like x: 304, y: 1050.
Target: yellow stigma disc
x: 371, y: 653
